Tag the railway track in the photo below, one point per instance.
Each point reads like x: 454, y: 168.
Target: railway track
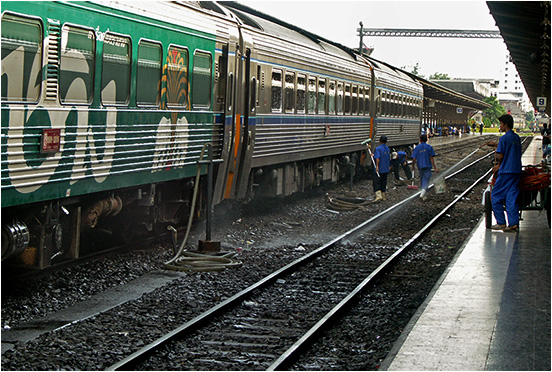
x: 269, y: 324
x: 123, y: 331
x: 17, y: 273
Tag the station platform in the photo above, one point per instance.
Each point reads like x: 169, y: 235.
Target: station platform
x: 443, y: 140
x: 490, y: 310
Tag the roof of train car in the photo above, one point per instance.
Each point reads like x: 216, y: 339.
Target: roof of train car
x: 438, y: 92
x: 278, y: 27
x: 271, y: 24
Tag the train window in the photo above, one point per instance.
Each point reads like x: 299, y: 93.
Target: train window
x: 148, y: 76
x: 115, y: 70
x: 289, y: 90
x: 331, y: 98
x: 201, y: 80
x: 259, y: 79
x: 221, y: 79
x: 301, y: 89
x: 76, y: 79
x: 360, y: 100
x: 347, y: 108
x: 311, y: 98
x: 177, y: 78
x: 21, y: 58
x: 339, y: 101
x: 253, y: 96
x: 398, y: 110
x: 276, y: 101
x: 355, y: 100
x: 230, y: 98
x: 367, y: 101
x: 321, y: 96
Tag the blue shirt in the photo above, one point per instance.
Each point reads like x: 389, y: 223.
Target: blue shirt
x: 423, y: 153
x: 509, y: 145
x: 382, y: 153
x: 402, y: 156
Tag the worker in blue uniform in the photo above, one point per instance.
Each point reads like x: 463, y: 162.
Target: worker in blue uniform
x: 382, y: 159
x: 398, y: 159
x: 508, y: 170
x: 423, y: 154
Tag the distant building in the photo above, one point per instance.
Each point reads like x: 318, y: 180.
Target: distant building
x: 511, y: 92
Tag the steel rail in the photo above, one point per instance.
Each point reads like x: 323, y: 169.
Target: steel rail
x: 290, y: 354
x: 141, y: 354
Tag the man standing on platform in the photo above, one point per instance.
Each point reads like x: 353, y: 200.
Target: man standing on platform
x: 508, y: 169
x: 423, y: 153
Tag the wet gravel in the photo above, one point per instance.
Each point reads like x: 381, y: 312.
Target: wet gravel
x: 265, y: 236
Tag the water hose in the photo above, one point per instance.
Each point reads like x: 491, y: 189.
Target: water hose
x: 193, y: 262
x: 345, y: 204
x: 534, y: 178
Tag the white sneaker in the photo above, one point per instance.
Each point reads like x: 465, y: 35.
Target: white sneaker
x: 422, y: 194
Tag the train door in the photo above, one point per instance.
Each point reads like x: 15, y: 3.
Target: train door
x: 249, y: 116
x: 233, y: 176
x: 227, y: 81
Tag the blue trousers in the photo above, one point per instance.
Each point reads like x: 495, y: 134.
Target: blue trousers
x: 425, y: 176
x: 505, y: 192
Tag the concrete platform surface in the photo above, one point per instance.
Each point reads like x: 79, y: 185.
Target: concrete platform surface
x: 491, y: 308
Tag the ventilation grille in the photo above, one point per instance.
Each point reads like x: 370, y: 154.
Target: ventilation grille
x: 217, y: 72
x: 52, y: 68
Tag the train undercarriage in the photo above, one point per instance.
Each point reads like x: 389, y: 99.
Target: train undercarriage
x: 41, y: 234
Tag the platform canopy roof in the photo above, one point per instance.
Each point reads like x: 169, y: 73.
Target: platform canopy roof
x: 439, y: 92
x: 525, y: 28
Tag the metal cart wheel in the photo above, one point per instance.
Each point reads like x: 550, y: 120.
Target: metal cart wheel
x: 546, y: 202
x: 488, y: 210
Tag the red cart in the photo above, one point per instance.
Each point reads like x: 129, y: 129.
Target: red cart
x: 534, y: 192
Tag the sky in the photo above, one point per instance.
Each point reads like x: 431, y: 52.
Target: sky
x: 459, y: 58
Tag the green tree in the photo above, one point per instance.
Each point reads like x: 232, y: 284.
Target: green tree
x: 495, y: 111
x: 415, y: 70
x: 529, y: 116
x: 439, y: 76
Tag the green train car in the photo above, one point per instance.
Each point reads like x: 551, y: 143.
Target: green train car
x: 108, y: 107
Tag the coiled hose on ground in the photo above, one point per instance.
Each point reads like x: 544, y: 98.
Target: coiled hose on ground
x: 194, y: 262
x: 345, y: 204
